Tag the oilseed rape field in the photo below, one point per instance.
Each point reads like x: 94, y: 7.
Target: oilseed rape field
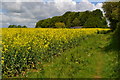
x: 0, y: 51
x: 24, y: 49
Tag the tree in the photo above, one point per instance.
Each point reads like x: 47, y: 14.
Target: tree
x: 94, y: 22
x: 59, y: 25
x: 97, y: 12
x: 24, y: 26
x: 15, y: 26
x: 38, y: 24
x: 111, y: 12
x: 71, y: 19
x: 68, y: 23
x: 12, y: 26
x: 67, y: 13
x: 84, y: 17
x: 19, y: 26
x: 76, y: 22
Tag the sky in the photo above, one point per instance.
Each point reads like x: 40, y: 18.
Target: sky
x: 28, y: 12
x: 91, y: 0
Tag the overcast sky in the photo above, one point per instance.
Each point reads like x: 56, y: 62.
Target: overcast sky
x: 28, y: 12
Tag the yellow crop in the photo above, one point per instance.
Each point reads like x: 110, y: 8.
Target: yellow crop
x: 24, y: 47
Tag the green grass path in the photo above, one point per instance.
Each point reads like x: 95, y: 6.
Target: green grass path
x: 96, y: 45
x: 99, y: 65
x: 88, y: 60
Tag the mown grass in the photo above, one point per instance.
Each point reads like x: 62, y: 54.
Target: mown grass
x: 89, y: 59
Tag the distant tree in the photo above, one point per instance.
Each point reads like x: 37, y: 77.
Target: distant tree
x: 12, y: 26
x: 71, y: 19
x: 24, y: 26
x: 15, y: 26
x: 94, y: 22
x: 84, y: 17
x: 59, y: 25
x: 67, y: 13
x: 39, y: 24
x: 76, y: 22
x: 68, y: 23
x: 97, y: 12
x: 19, y: 26
x: 45, y: 23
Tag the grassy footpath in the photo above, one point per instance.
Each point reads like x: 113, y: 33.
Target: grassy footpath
x: 88, y: 60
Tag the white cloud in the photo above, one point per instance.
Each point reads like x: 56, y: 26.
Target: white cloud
x: 22, y: 1
x: 64, y: 5
x: 86, y: 1
x: 99, y: 5
x: 28, y: 13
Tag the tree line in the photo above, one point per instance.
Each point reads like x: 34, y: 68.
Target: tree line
x: 91, y: 19
x: 112, y: 13
x: 112, y: 10
x: 17, y: 26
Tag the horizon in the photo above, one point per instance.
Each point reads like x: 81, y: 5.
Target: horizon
x: 28, y: 13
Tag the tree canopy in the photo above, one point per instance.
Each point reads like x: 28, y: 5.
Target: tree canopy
x: 111, y: 12
x: 71, y: 19
x: 17, y: 26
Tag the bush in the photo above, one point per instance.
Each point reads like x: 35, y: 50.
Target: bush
x: 59, y: 25
x: 117, y: 33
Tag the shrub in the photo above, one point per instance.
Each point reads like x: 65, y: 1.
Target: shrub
x: 59, y: 25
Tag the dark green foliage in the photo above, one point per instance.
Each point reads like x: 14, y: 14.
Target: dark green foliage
x: 84, y: 17
x: 111, y: 9
x: 24, y: 26
x: 93, y: 22
x: 76, y: 22
x: 103, y: 32
x: 68, y: 23
x: 97, y: 13
x: 59, y: 25
x: 12, y: 26
x: 71, y: 19
x: 15, y: 26
x: 117, y: 35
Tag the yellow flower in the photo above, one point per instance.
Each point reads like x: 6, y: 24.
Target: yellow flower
x: 2, y: 58
x: 29, y: 48
x: 2, y: 62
